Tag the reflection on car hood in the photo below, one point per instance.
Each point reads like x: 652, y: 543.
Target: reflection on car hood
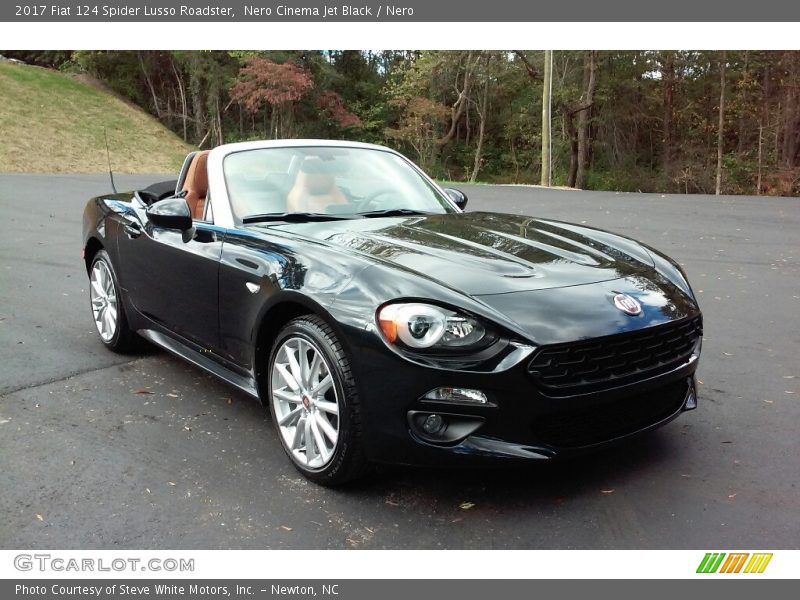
x: 486, y: 253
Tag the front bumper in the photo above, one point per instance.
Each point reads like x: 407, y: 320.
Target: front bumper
x: 520, y: 422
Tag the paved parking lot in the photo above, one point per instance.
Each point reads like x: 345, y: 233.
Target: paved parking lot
x: 106, y: 451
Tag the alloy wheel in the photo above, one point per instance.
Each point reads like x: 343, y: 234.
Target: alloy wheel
x: 103, y: 296
x: 305, y: 402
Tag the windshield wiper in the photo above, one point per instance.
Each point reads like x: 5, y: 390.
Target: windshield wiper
x: 294, y: 217
x: 393, y: 212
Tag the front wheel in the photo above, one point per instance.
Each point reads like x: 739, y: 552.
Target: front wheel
x: 314, y: 402
x: 107, y: 310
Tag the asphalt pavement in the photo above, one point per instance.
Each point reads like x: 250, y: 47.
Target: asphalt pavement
x: 99, y: 450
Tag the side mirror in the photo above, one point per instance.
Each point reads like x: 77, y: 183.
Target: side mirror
x: 457, y: 196
x: 170, y: 213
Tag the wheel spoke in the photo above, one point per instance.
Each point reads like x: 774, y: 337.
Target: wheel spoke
x: 287, y: 377
x: 294, y: 366
x: 319, y: 442
x: 98, y: 289
x: 108, y: 322
x: 100, y: 321
x: 329, y: 407
x: 323, y: 386
x: 326, y: 427
x: 313, y: 370
x: 302, y: 358
x: 287, y: 396
x: 101, y: 271
x: 298, y: 434
x: 309, y: 437
x: 292, y: 416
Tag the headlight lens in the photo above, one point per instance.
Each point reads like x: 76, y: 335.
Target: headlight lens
x: 421, y: 326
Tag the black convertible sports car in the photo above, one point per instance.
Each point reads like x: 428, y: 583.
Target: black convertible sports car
x: 379, y: 322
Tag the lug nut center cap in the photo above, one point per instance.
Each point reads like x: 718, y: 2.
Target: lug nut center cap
x: 306, y: 402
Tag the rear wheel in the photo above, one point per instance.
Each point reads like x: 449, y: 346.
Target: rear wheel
x: 314, y: 402
x: 107, y: 310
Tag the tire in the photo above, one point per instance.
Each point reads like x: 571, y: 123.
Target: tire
x: 108, y: 312
x: 304, y: 407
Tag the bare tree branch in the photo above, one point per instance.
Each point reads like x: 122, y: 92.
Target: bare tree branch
x: 533, y: 73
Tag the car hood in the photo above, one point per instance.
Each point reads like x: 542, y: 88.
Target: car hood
x: 482, y: 253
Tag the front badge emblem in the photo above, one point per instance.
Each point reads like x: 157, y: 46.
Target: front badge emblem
x: 627, y: 304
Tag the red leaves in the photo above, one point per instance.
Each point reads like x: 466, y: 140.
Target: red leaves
x: 262, y: 81
x: 332, y: 104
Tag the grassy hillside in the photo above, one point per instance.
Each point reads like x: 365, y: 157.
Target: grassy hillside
x: 53, y: 123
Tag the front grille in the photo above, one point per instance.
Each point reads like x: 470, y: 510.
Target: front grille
x: 584, y: 426
x: 614, y: 360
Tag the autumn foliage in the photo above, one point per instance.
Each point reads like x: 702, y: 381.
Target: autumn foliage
x: 332, y: 105
x: 262, y: 81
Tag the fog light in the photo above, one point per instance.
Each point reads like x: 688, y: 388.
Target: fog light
x: 457, y: 396
x: 433, y: 424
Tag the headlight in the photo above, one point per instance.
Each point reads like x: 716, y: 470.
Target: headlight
x: 422, y: 326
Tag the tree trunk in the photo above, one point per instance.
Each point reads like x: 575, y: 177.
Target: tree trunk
x: 721, y: 126
x: 668, y: 83
x: 482, y: 114
x: 182, y: 91
x: 572, y: 134
x: 149, y: 82
x: 461, y: 103
x: 758, y: 181
x: 584, y: 132
x: 547, y: 89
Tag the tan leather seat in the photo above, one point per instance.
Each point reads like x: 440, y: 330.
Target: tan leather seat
x: 313, y: 190
x: 196, y: 184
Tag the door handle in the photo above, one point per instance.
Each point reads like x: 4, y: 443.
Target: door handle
x: 132, y: 230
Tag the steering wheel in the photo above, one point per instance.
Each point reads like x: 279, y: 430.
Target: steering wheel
x: 371, y: 201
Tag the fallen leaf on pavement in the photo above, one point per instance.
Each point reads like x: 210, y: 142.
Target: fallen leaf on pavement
x: 40, y: 517
x: 606, y: 491
x: 466, y: 505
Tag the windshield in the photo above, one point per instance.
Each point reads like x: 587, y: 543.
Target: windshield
x: 327, y: 181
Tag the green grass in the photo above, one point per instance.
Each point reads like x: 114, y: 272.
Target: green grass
x: 53, y: 123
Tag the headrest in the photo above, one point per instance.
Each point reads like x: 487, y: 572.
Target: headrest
x: 197, y: 176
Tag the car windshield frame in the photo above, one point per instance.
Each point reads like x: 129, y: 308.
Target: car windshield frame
x: 430, y: 198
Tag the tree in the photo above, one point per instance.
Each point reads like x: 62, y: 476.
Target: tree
x: 547, y: 88
x: 264, y: 83
x: 584, y: 133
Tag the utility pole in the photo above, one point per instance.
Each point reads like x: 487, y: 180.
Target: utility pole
x: 547, y: 92
x: 721, y: 126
